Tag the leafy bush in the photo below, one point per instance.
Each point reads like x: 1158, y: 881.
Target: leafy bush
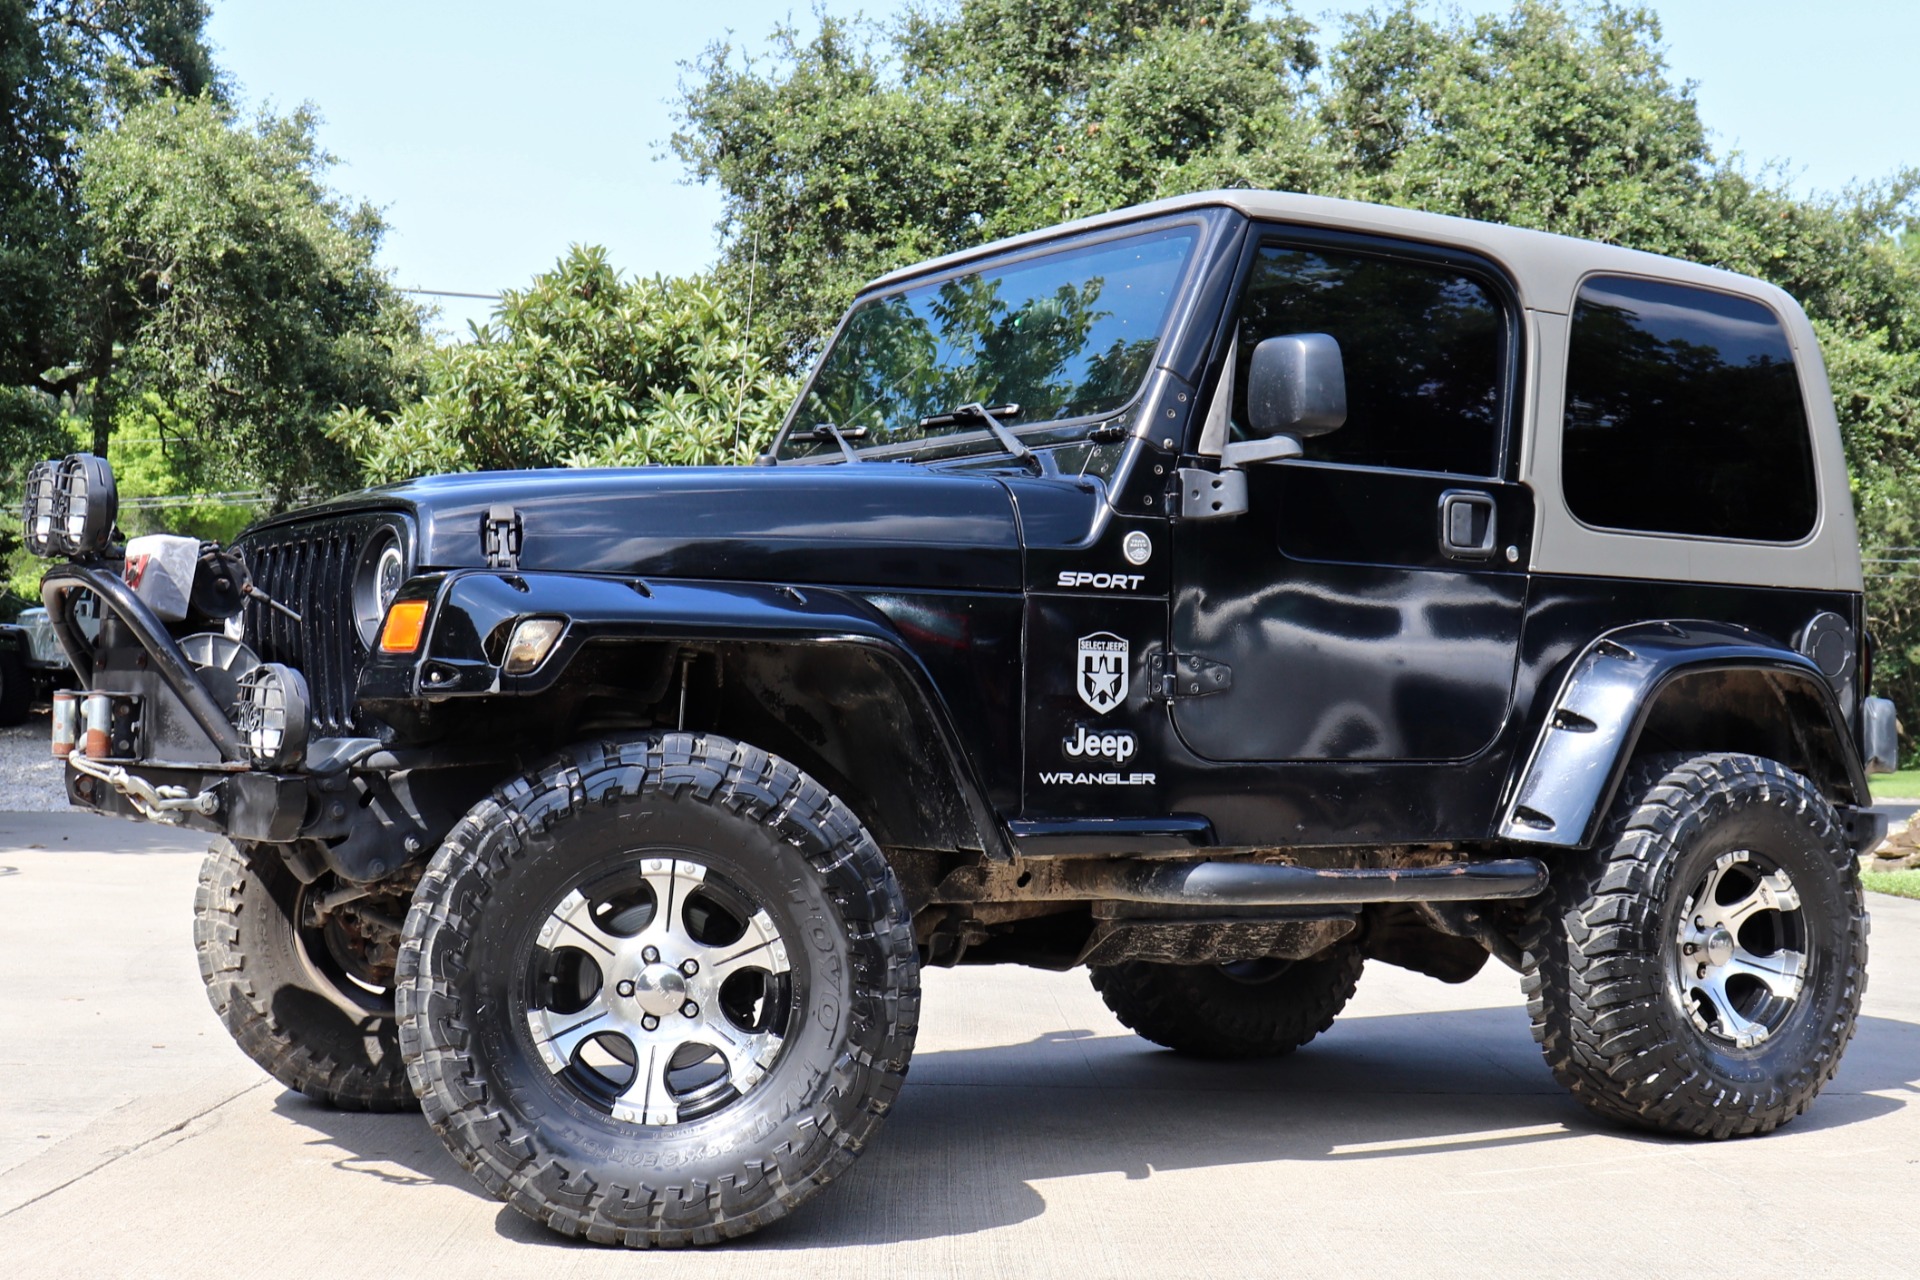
x: 585, y: 368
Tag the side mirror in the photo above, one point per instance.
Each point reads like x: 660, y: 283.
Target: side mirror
x: 1297, y: 386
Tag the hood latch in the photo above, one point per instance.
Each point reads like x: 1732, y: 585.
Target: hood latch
x: 500, y: 533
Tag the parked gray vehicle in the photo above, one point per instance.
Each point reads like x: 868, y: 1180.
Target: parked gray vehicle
x: 1219, y: 595
x: 32, y: 664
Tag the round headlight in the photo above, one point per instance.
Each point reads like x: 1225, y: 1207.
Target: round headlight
x: 377, y: 577
x: 270, y: 711
x: 40, y: 516
x: 89, y: 503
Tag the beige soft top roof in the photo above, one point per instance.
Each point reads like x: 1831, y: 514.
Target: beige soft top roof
x: 1545, y: 268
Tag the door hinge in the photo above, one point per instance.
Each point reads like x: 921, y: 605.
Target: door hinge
x: 500, y: 533
x: 1188, y: 675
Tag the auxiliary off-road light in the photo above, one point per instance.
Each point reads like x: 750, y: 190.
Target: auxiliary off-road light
x: 532, y: 640
x: 89, y: 503
x: 270, y: 710
x: 405, y: 625
x: 40, y: 515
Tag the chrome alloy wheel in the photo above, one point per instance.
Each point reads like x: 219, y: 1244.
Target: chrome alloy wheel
x: 658, y: 992
x: 1740, y: 962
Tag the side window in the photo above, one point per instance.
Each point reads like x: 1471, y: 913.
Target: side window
x: 1684, y: 415
x: 1424, y: 347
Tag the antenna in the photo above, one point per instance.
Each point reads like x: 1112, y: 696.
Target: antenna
x: 746, y: 354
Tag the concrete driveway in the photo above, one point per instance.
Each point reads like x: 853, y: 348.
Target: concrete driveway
x: 1035, y: 1137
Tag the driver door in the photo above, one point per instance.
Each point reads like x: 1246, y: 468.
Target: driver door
x: 1369, y: 600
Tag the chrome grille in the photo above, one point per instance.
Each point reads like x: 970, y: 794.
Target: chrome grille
x: 309, y: 568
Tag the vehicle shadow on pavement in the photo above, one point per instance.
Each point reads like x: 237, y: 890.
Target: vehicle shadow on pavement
x: 979, y: 1130
x: 960, y: 1159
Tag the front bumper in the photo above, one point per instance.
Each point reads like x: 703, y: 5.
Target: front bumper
x: 250, y: 805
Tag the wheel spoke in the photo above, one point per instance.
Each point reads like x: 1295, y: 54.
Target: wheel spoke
x: 1783, y: 972
x: 559, y: 1036
x: 647, y: 1100
x: 572, y: 925
x: 671, y: 880
x: 748, y: 1054
x: 759, y: 947
x: 1769, y: 893
x: 1743, y: 1033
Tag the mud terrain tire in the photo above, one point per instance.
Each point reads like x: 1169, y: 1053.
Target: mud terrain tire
x: 317, y: 1033
x: 520, y: 876
x: 1611, y: 988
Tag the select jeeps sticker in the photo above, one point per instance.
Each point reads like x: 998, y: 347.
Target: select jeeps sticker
x: 1102, y: 676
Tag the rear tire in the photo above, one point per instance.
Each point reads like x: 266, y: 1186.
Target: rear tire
x: 658, y: 992
x: 287, y: 1002
x: 1700, y: 972
x: 1256, y: 1009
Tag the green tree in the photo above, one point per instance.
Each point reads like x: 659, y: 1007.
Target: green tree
x: 585, y: 368
x: 66, y: 69
x: 866, y: 148
x: 152, y: 242
x: 226, y: 280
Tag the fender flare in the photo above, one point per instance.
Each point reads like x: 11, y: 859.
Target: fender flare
x: 1594, y: 722
x: 470, y: 609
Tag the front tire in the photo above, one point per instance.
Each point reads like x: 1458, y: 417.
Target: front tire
x: 1701, y: 972
x: 298, y: 1000
x: 658, y: 992
x: 1253, y: 1009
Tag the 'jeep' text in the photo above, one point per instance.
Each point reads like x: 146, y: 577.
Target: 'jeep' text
x: 1118, y: 746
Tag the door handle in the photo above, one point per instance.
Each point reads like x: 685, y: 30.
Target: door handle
x: 1467, y: 529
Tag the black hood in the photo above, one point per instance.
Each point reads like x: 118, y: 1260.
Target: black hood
x: 878, y: 524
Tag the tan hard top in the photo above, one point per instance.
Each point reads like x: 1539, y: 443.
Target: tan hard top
x: 1545, y: 268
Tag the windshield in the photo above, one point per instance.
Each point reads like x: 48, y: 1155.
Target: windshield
x: 1061, y: 335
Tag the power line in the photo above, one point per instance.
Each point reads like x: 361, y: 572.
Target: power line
x: 451, y: 293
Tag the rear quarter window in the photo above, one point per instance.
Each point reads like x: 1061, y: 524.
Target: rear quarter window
x: 1684, y: 415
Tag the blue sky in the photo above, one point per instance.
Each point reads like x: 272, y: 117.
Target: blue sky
x: 494, y: 134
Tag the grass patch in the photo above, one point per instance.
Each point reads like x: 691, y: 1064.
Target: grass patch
x: 1902, y: 884
x: 1904, y: 785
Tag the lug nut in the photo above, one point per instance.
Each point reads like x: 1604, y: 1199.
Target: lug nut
x: 691, y: 1009
x: 624, y: 987
x: 690, y: 967
x: 650, y: 954
x: 1701, y: 972
x: 1690, y: 948
x: 650, y: 1022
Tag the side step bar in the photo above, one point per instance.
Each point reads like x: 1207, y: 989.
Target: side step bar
x: 1261, y: 884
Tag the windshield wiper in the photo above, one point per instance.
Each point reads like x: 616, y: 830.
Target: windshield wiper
x: 990, y: 418
x: 826, y: 431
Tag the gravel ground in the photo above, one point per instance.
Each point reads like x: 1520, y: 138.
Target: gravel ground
x: 29, y: 778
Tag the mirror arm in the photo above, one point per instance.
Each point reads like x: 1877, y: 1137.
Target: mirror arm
x: 1222, y: 494
x: 1272, y: 449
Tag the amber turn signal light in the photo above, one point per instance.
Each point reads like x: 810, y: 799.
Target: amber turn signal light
x: 406, y: 623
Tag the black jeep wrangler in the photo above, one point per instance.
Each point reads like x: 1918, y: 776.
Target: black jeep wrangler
x: 1217, y: 594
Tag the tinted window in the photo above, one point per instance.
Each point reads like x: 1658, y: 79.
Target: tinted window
x: 1424, y: 348
x: 1684, y: 415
